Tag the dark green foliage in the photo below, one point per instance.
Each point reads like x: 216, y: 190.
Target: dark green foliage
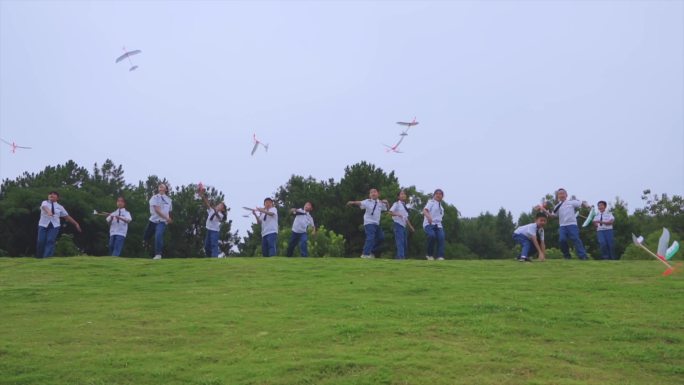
x: 81, y: 192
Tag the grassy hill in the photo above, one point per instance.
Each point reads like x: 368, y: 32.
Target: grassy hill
x: 338, y: 321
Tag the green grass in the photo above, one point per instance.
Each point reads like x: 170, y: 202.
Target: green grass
x: 338, y: 321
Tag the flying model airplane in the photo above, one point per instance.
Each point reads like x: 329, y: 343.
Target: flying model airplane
x: 127, y: 55
x: 408, y: 126
x: 257, y: 143
x: 395, y: 148
x: 14, y: 146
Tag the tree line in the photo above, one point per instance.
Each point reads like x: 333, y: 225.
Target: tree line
x: 487, y: 236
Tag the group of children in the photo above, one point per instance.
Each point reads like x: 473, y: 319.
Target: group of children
x: 161, y: 206
x: 565, y: 210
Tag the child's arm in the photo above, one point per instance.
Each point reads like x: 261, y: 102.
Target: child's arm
x: 203, y: 194
x: 258, y: 218
x: 427, y: 215
x: 264, y: 211
x: 354, y: 203
x: 409, y: 225
x: 46, y: 210
x: 157, y: 209
x: 73, y: 222
x: 539, y: 248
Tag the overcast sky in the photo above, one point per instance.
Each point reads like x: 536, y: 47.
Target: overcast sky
x: 514, y: 99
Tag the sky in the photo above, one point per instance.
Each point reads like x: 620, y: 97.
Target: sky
x: 515, y: 99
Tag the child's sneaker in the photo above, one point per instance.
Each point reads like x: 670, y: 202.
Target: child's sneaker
x: 522, y: 259
x: 429, y: 258
x: 366, y: 256
x: 440, y: 258
x: 158, y: 256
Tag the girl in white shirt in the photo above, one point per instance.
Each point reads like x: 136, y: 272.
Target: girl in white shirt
x: 400, y: 215
x: 118, y: 227
x: 215, y: 215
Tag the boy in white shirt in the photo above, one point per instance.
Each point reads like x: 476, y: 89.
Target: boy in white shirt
x: 269, y: 227
x: 118, y: 227
x: 569, y: 231
x: 432, y: 224
x: 371, y: 222
x: 400, y: 215
x: 49, y: 223
x: 604, y: 231
x: 215, y: 215
x: 302, y: 221
x: 160, y: 216
x: 529, y: 235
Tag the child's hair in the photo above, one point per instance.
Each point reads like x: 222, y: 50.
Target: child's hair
x: 439, y: 190
x: 540, y: 214
x: 122, y: 198
x: 225, y: 211
x: 268, y: 199
x: 401, y: 191
x: 309, y: 202
x: 54, y: 192
x: 561, y: 189
x: 604, y: 203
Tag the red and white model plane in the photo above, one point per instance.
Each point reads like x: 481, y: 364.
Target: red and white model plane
x: 257, y: 143
x: 14, y: 146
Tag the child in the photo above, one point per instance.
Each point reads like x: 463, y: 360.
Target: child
x: 215, y: 215
x: 400, y: 216
x: 49, y: 224
x: 432, y: 223
x: 118, y: 227
x: 269, y: 227
x: 565, y: 211
x: 299, y: 236
x: 531, y: 234
x: 604, y: 231
x: 160, y: 216
x: 371, y: 222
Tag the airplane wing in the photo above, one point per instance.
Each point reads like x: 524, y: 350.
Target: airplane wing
x: 133, y: 68
x: 127, y: 54
x: 256, y: 145
x: 404, y: 124
x: 6, y: 142
x: 28, y: 148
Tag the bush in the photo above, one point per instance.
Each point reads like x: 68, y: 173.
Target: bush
x: 326, y: 243
x: 66, y: 247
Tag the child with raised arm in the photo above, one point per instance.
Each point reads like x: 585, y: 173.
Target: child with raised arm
x: 603, y: 221
x: 567, y: 220
x: 160, y: 216
x: 400, y: 215
x: 268, y: 219
x: 215, y: 215
x: 118, y: 227
x: 49, y: 223
x: 302, y: 221
x: 371, y: 222
x: 432, y: 223
x: 531, y: 235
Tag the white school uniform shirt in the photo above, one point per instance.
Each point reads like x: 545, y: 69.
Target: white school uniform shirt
x: 400, y: 208
x: 436, y: 211
x: 214, y: 224
x: 269, y: 224
x: 566, y: 212
x: 374, y: 208
x: 302, y: 221
x: 604, y: 216
x: 45, y: 219
x: 117, y: 226
x: 165, y: 205
x: 530, y: 231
